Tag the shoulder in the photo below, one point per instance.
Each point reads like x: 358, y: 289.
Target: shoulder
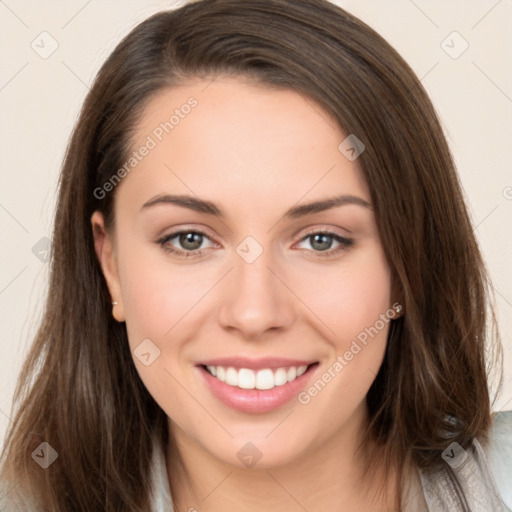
x: 483, y: 472
x: 498, y: 450
x: 11, y: 501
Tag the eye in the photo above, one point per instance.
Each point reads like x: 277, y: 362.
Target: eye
x: 321, y: 242
x: 190, y: 242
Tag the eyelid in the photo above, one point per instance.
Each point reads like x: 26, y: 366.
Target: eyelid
x: 322, y: 229
x: 188, y: 229
x: 343, y: 241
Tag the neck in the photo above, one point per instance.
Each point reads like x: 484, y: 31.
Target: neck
x: 318, y: 479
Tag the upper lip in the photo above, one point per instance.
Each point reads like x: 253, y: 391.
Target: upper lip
x: 255, y: 364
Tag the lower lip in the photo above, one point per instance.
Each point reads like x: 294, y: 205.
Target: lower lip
x: 256, y: 400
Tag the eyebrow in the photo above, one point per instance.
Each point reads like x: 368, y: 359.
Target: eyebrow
x: 202, y: 206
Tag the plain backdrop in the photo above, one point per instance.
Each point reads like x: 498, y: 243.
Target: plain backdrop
x: 52, y: 50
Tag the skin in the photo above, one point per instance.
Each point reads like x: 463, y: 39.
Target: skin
x: 255, y: 152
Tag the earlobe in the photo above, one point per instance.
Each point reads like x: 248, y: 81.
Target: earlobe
x: 105, y: 252
x: 398, y: 310
x: 397, y: 300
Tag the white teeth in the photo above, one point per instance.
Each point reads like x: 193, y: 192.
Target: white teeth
x: 301, y: 370
x: 260, y: 379
x: 221, y: 373
x: 264, y: 379
x: 232, y: 377
x: 280, y: 377
x: 246, y: 379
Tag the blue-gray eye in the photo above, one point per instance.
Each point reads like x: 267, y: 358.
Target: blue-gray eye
x: 323, y: 241
x: 190, y: 241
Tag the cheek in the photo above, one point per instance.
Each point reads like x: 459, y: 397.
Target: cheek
x: 158, y: 295
x: 349, y: 298
x: 163, y: 303
x: 354, y: 302
x: 159, y: 304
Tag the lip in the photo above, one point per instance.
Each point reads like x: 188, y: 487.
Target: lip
x: 255, y: 364
x: 256, y: 401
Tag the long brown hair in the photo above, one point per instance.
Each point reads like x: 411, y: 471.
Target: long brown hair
x: 79, y: 389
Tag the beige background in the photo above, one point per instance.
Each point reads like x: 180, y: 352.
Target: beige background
x: 40, y: 98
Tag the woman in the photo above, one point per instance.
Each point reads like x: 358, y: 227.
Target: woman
x: 265, y: 288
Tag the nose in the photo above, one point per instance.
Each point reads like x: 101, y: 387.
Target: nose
x: 255, y: 299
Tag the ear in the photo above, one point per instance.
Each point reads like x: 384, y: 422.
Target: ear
x: 105, y: 251
x: 398, y: 310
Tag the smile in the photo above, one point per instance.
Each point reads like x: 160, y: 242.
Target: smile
x: 269, y: 385
x: 266, y: 378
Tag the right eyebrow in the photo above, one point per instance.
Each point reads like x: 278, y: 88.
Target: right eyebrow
x: 193, y: 203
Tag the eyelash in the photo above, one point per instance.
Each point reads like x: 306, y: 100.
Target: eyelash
x: 346, y: 243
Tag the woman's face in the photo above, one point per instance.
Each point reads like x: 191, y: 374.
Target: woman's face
x: 220, y: 259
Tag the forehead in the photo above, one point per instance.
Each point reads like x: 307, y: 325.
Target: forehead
x: 235, y: 137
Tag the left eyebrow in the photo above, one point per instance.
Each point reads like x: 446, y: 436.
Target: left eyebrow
x: 325, y: 204
x: 202, y: 206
